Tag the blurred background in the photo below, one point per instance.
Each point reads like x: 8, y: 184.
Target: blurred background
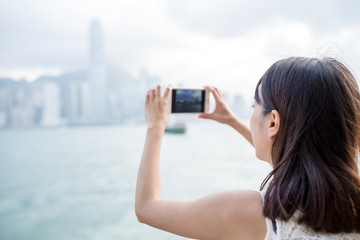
x: 73, y: 78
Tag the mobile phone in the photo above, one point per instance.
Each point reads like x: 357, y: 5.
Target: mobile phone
x: 189, y: 100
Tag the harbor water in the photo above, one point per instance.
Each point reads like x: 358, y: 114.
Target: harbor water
x: 79, y: 183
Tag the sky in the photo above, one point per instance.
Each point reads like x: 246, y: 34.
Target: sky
x: 224, y: 43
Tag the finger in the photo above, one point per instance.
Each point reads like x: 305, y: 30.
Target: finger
x: 219, y: 92
x: 215, y: 93
x: 158, y: 91
x: 147, y: 98
x: 208, y: 88
x: 204, y: 115
x: 153, y: 94
x: 167, y: 92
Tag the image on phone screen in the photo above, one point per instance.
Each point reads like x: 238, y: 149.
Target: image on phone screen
x: 188, y: 101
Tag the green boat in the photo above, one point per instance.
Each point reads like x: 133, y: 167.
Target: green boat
x: 177, y: 128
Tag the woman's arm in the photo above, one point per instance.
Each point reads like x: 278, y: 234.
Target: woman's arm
x: 148, y: 182
x: 223, y: 114
x: 226, y: 215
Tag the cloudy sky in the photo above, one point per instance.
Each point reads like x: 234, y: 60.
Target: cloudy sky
x: 226, y: 43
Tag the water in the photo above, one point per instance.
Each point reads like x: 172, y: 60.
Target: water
x: 79, y: 183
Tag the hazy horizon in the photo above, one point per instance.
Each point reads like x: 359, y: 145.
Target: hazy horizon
x: 228, y: 44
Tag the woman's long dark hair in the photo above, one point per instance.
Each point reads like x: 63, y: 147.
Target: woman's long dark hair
x: 315, y: 153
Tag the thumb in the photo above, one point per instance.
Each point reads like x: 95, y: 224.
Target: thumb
x: 204, y: 115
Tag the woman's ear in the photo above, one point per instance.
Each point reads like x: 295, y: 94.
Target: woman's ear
x: 274, y: 123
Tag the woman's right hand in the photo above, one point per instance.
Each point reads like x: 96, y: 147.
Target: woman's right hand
x: 222, y: 112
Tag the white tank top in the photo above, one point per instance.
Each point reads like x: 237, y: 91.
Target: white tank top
x: 290, y: 230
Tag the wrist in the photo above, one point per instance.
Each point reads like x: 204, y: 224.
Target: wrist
x: 232, y: 121
x: 156, y: 128
x: 229, y: 118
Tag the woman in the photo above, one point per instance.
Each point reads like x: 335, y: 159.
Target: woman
x: 306, y: 124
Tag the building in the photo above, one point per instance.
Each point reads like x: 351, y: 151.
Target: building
x: 97, y: 76
x: 51, y: 105
x: 78, y: 103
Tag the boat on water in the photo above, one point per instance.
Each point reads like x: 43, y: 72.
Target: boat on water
x: 176, y: 128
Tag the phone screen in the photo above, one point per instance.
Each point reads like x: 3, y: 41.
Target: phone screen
x: 188, y: 101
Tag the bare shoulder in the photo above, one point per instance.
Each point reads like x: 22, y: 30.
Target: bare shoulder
x: 239, y: 214
x: 244, y: 213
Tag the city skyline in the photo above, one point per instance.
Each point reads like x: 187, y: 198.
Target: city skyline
x: 98, y: 94
x: 228, y: 44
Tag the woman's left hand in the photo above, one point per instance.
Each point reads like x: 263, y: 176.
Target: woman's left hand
x: 156, y: 107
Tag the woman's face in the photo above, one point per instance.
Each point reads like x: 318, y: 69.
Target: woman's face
x: 259, y: 124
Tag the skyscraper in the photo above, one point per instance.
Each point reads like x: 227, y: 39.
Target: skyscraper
x: 78, y: 103
x: 4, y: 106
x: 97, y: 76
x: 51, y: 107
